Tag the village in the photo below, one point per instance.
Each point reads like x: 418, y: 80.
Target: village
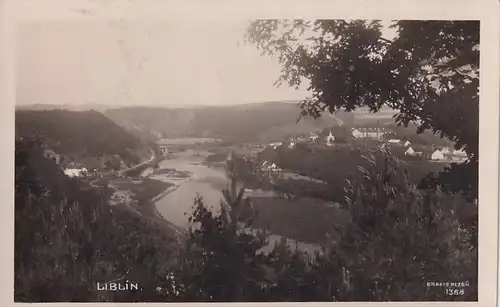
x: 370, y: 137
x: 366, y: 137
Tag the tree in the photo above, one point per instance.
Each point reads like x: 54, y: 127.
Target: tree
x: 221, y: 261
x: 67, y: 238
x: 432, y: 81
x: 402, y: 238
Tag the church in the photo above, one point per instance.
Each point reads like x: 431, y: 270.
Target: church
x: 330, y: 139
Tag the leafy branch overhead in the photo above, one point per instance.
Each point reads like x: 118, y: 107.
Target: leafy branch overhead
x: 432, y: 81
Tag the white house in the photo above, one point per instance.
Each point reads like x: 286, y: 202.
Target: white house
x: 313, y: 137
x: 407, y: 143
x: 393, y: 141
x: 75, y: 172
x: 410, y: 151
x: 370, y: 133
x: 437, y: 155
x: 275, y: 145
x: 459, y: 153
x: 457, y: 156
x: 356, y: 133
x: 330, y: 139
x: 292, y: 145
x: 270, y: 168
x: 445, y: 151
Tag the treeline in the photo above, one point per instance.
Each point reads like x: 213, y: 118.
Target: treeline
x: 335, y: 165
x: 81, y: 135
x: 250, y: 122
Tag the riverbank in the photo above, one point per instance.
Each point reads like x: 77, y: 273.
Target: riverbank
x: 139, y: 193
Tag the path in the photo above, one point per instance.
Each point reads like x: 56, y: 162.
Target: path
x: 153, y: 157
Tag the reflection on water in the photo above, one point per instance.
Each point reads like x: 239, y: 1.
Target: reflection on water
x: 176, y: 207
x: 207, y: 182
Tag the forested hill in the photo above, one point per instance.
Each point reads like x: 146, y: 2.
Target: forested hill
x: 67, y: 236
x: 258, y: 121
x: 80, y: 134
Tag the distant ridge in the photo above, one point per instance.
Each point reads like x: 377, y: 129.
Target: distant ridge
x: 104, y: 107
x: 69, y: 107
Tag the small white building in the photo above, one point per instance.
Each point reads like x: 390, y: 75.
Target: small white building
x: 270, y: 167
x: 445, y: 151
x: 313, y: 137
x: 410, y: 152
x: 275, y: 144
x: 459, y: 153
x: 356, y: 133
x: 437, y: 155
x: 230, y: 155
x: 407, y: 143
x: 75, y: 172
x: 164, y: 150
x: 394, y: 141
x: 292, y: 145
x: 330, y: 139
x: 368, y: 133
x: 456, y: 156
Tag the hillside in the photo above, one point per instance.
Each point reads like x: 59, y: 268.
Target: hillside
x: 81, y: 135
x: 259, y: 121
x: 61, y: 223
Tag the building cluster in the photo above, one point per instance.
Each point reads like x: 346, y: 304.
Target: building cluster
x: 380, y: 135
x: 446, y: 154
x: 268, y: 167
x: 443, y: 154
x: 369, y: 133
x: 76, y: 172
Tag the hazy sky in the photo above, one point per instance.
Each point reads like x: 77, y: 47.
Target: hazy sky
x: 143, y: 63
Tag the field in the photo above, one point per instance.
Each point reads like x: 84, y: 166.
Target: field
x: 304, y: 219
x: 186, y: 141
x: 143, y: 191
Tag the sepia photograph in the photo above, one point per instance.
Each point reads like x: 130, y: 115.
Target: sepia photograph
x: 246, y: 160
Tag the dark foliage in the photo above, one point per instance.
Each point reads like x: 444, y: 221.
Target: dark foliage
x: 396, y: 239
x: 333, y: 166
x: 349, y: 64
x: 67, y: 238
x: 79, y: 135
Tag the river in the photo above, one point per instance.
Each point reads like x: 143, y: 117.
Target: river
x: 177, y: 206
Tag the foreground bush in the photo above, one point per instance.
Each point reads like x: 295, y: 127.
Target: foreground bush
x: 67, y: 238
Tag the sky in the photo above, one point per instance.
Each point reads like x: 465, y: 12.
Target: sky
x: 157, y: 63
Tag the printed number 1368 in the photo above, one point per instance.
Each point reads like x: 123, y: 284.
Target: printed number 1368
x: 455, y: 292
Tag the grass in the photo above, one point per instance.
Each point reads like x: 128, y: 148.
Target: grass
x: 173, y: 172
x: 144, y: 191
x: 216, y: 157
x: 305, y: 219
